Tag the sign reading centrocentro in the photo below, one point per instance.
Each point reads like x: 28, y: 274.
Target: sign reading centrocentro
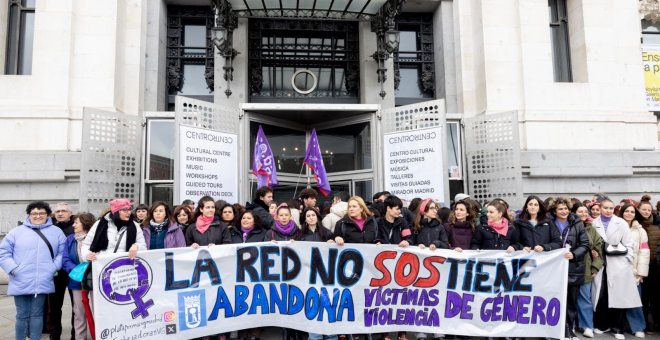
x: 208, y: 164
x: 413, y: 164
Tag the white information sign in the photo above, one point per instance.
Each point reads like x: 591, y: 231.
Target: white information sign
x: 414, y: 165
x: 208, y: 164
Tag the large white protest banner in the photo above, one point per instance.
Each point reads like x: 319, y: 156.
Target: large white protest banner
x: 413, y: 164
x: 323, y: 288
x: 208, y: 164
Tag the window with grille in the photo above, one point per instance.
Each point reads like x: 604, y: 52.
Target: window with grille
x: 303, y: 60
x: 413, y: 62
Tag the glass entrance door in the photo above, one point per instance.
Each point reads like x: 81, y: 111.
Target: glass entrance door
x: 346, y: 147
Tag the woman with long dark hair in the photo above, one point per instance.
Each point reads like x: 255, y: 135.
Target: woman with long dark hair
x: 461, y: 226
x: 228, y: 215
x: 575, y: 239
x: 536, y: 230
x: 183, y: 216
x: 160, y: 232
x: 311, y: 228
x: 207, y: 229
x: 640, y: 265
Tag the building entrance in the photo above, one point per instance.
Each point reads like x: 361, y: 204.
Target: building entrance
x: 347, y: 137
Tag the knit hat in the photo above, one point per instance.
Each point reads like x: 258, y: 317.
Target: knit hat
x: 120, y: 204
x: 422, y: 206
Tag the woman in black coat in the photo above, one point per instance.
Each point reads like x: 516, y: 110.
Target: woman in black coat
x: 498, y: 233
x: 574, y: 237
x: 536, y: 230
x: 311, y: 228
x: 428, y: 229
x: 358, y: 226
x: 284, y: 228
x: 250, y: 229
x: 207, y: 229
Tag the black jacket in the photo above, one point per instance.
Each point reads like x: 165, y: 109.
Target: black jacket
x: 347, y: 229
x: 66, y: 226
x: 486, y: 238
x: 274, y: 234
x: 258, y: 207
x: 257, y: 235
x: 432, y: 232
x: 576, y: 237
x: 544, y: 234
x: 392, y: 233
x: 216, y: 234
x: 320, y: 234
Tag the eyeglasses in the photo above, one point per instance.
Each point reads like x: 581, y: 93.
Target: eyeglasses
x: 35, y: 214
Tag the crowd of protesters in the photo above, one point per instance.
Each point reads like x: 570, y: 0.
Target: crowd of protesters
x: 611, y: 248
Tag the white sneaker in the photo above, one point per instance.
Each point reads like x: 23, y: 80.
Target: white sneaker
x: 619, y: 336
x: 598, y: 331
x: 588, y: 332
x: 640, y: 334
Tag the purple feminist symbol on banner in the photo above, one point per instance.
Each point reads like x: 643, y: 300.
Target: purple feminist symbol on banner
x: 125, y: 281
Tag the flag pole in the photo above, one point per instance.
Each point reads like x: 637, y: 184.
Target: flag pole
x: 298, y: 181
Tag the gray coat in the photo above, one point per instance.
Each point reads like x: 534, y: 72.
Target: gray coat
x: 622, y: 288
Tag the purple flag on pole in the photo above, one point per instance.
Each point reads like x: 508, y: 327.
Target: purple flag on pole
x: 263, y: 165
x: 314, y: 161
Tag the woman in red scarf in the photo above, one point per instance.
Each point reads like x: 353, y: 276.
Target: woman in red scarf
x: 499, y: 233
x: 206, y: 229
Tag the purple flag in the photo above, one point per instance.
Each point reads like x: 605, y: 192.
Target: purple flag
x: 263, y: 165
x: 314, y: 161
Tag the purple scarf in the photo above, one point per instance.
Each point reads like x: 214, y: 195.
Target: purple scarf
x: 287, y: 229
x: 606, y: 221
x: 246, y: 233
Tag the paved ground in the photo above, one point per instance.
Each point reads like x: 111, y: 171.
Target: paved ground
x: 8, y: 316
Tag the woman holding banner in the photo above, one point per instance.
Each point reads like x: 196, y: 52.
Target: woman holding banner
x: 429, y: 232
x: 159, y: 231
x: 498, y: 233
x: 207, y: 230
x: 115, y: 231
x: 575, y: 239
x: 358, y: 226
x: 461, y: 226
x: 251, y: 230
x: 614, y: 289
x: 536, y: 231
x: 311, y: 229
x: 284, y: 228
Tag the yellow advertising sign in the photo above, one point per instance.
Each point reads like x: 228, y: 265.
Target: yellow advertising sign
x: 651, y: 61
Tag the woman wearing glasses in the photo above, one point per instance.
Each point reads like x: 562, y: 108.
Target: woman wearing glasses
x: 31, y: 254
